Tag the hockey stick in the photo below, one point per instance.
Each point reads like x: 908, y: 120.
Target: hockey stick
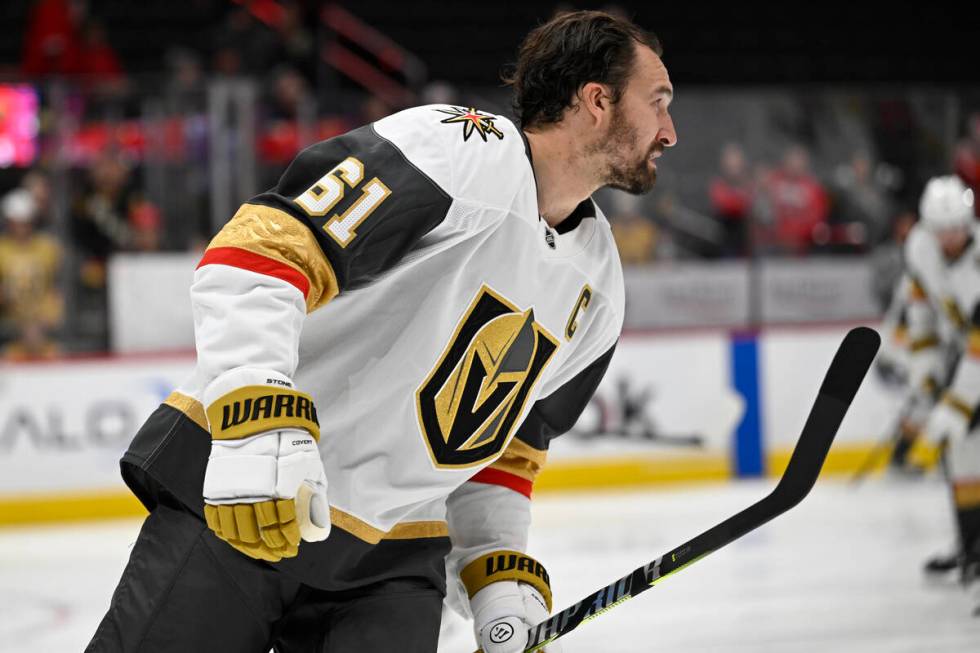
x: 839, y: 386
x: 886, y: 445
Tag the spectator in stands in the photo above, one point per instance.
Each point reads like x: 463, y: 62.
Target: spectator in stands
x: 798, y: 202
x: 97, y: 58
x: 243, y: 46
x: 967, y: 158
x: 38, y: 184
x: 888, y: 260
x: 732, y: 194
x: 863, y: 204
x: 374, y: 108
x: 51, y: 40
x: 439, y: 91
x: 290, y: 99
x: 296, y: 41
x: 106, y: 217
x: 147, y: 226
x: 635, y: 234
x: 31, y: 306
x: 185, y: 81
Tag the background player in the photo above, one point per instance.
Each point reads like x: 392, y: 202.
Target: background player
x: 944, y: 312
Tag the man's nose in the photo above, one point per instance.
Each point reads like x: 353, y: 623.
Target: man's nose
x: 667, y: 136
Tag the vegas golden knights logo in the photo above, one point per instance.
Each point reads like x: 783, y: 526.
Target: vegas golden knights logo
x: 469, y: 404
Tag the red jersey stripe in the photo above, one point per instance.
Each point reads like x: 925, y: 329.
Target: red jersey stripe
x: 492, y: 476
x: 246, y: 260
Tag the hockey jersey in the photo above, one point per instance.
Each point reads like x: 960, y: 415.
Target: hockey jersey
x: 400, y: 274
x: 944, y: 307
x: 963, y: 279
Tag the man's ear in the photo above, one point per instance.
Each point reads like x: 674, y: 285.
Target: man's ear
x: 594, y: 99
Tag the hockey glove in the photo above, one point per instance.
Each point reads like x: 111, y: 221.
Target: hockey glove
x: 949, y: 420
x: 509, y: 593
x: 264, y: 487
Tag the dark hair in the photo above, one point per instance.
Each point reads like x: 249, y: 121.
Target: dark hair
x: 570, y: 50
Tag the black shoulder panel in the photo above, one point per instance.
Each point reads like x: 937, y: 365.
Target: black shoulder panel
x: 557, y: 413
x: 370, y: 204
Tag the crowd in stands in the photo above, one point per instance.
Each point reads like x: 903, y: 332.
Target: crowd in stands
x: 52, y: 267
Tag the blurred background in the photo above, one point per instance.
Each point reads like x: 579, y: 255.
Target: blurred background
x: 804, y: 143
x: 130, y: 132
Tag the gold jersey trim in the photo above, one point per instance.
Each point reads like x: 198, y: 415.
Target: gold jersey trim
x: 410, y: 530
x: 521, y: 459
x: 958, y: 405
x: 927, y: 342
x: 189, y: 406
x: 966, y: 495
x: 973, y: 342
x: 275, y: 234
x: 953, y: 313
x: 916, y: 292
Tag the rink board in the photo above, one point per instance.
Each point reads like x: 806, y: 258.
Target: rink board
x: 674, y: 407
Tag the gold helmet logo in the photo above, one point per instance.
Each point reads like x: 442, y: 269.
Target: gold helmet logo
x: 469, y: 404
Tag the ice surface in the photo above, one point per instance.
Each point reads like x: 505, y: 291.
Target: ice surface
x: 841, y: 572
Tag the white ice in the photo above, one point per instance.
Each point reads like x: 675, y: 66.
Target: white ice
x: 841, y: 572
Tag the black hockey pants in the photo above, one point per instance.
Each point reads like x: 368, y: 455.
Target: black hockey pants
x: 185, y: 590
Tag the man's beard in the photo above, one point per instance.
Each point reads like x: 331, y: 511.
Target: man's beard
x: 623, y: 170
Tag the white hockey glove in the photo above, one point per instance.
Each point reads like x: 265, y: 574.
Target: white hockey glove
x: 502, y: 614
x: 509, y: 593
x: 949, y: 420
x: 264, y: 487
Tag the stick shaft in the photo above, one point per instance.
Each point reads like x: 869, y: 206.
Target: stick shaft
x: 847, y: 370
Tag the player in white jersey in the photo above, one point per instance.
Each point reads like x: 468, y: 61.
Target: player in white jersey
x: 387, y: 341
x: 923, y: 342
x: 944, y: 309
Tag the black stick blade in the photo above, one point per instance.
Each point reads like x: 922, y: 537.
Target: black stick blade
x: 851, y: 363
x: 848, y: 369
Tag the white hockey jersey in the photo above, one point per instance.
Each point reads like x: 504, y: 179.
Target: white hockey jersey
x: 944, y: 307
x: 400, y: 275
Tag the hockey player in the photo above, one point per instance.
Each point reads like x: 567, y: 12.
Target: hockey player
x: 944, y: 307
x: 387, y: 341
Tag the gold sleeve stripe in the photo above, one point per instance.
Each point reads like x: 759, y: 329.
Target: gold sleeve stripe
x: 900, y: 335
x: 517, y: 465
x: 403, y: 531
x: 258, y: 408
x: 277, y: 235
x: 966, y: 495
x: 189, y: 406
x: 958, y: 405
x: 521, y: 459
x: 927, y: 342
x: 973, y: 342
x: 931, y: 387
x: 916, y: 292
x: 506, y: 565
x: 953, y: 312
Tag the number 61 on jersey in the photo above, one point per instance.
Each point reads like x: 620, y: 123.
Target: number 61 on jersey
x: 321, y: 198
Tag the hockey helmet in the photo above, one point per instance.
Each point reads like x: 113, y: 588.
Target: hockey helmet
x: 946, y: 204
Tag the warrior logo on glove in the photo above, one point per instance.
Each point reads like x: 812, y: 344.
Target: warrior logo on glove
x: 470, y: 403
x: 501, y: 633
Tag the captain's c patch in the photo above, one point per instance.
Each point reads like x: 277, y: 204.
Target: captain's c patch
x: 471, y: 400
